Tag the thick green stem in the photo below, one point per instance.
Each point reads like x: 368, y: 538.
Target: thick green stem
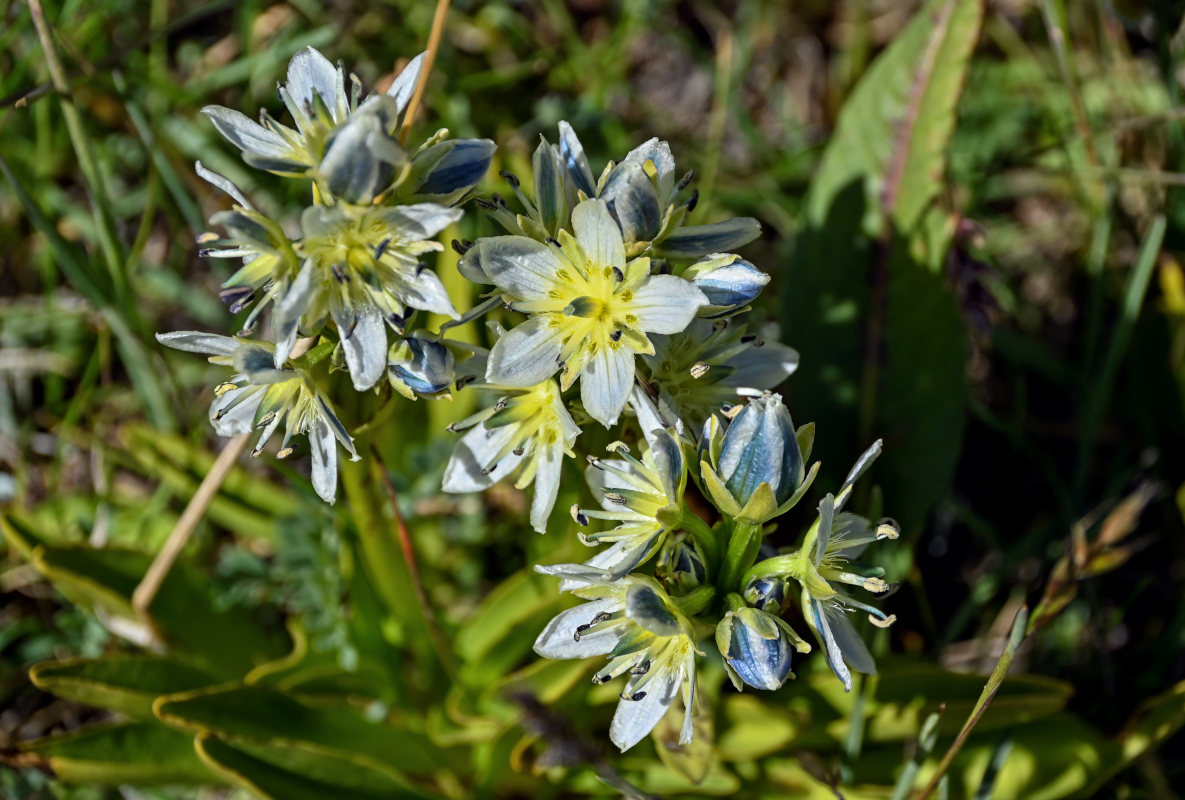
x: 787, y: 566
x: 702, y: 534
x: 696, y: 600
x: 742, y: 550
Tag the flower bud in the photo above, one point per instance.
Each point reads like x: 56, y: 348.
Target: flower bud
x: 418, y: 365
x: 683, y: 566
x: 754, y: 471
x: 728, y: 281
x: 768, y: 594
x: 755, y: 648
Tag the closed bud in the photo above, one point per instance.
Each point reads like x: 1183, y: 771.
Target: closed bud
x: 756, y: 649
x: 683, y: 566
x: 728, y: 281
x: 768, y: 594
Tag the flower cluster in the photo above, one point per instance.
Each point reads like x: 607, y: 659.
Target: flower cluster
x: 353, y: 276
x: 600, y: 281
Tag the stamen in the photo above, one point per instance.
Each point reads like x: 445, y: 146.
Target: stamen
x: 749, y: 338
x: 888, y: 528
x: 339, y: 274
x: 556, y: 242
x: 694, y: 201
x: 285, y: 452
x: 265, y: 419
x: 617, y: 273
x: 641, y: 669
x: 685, y: 181
x: 600, y: 680
x: 882, y: 623
x: 223, y: 388
x: 618, y: 447
x: 461, y: 246
x: 381, y: 248
x: 699, y: 369
x: 615, y: 498
x: 502, y: 403
x: 509, y: 177
x: 635, y: 697
x: 616, y: 335
x: 599, y: 618
x: 578, y: 516
x: 484, y: 204
x: 579, y: 630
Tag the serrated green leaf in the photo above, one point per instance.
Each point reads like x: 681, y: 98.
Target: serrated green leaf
x: 124, y: 683
x: 140, y: 753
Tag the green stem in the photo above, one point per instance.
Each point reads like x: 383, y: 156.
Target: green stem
x: 702, y: 535
x: 742, y: 550
x: 788, y: 566
x: 696, y: 600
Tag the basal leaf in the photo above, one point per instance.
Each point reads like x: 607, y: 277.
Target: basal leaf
x: 139, y: 753
x: 124, y: 683
x: 291, y: 772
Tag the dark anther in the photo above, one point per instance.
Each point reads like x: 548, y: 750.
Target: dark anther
x: 382, y: 248
x: 509, y: 177
x: 556, y: 242
x: 636, y: 696
x: 579, y: 630
x: 694, y: 201
x: 685, y: 181
x: 601, y: 679
x: 641, y: 669
x: 420, y: 267
x: 499, y: 199
x: 338, y: 273
x: 599, y: 618
x: 518, y: 451
x: 617, y: 273
x: 461, y: 246
x: 486, y: 204
x: 749, y: 338
x: 616, y: 335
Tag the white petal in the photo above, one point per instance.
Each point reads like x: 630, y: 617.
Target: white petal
x: 422, y: 220
x: 636, y: 718
x: 404, y: 85
x: 222, y: 182
x: 855, y: 652
x: 826, y: 519
x: 288, y: 311
x: 525, y: 355
x: 558, y: 639
x: 521, y: 267
x: 762, y: 367
x: 366, y: 349
x: 598, y: 234
x: 237, y: 420
x: 861, y: 466
x: 666, y: 304
x: 199, y: 342
x: 474, y: 453
x: 649, y: 418
x: 547, y: 485
x: 817, y: 612
x: 572, y: 152
x: 424, y: 291
x: 324, y: 447
x: 605, y: 383
x: 248, y: 135
x: 310, y: 72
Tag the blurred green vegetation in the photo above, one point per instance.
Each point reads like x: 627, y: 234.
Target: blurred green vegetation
x: 1028, y: 370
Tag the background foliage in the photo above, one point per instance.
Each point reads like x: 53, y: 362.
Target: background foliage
x: 972, y: 220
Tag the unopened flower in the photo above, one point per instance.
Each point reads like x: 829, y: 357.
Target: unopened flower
x: 590, y: 311
x: 756, y: 647
x: 697, y: 371
x: 728, y: 281
x: 642, y: 191
x: 420, y: 365
x: 633, y: 622
x: 528, y: 429
x: 645, y: 496
x: 261, y: 397
x: 753, y: 470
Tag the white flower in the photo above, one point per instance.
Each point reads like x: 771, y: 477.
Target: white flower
x: 260, y: 396
x: 528, y: 428
x: 644, y: 496
x: 699, y: 370
x: 359, y: 266
x: 832, y: 542
x: 589, y: 310
x: 637, y: 625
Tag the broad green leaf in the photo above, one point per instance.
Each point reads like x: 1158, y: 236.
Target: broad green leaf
x: 224, y: 642
x: 290, y: 772
x: 124, y: 683
x: 123, y: 753
x: 863, y: 303
x: 259, y: 714
x: 500, y: 633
